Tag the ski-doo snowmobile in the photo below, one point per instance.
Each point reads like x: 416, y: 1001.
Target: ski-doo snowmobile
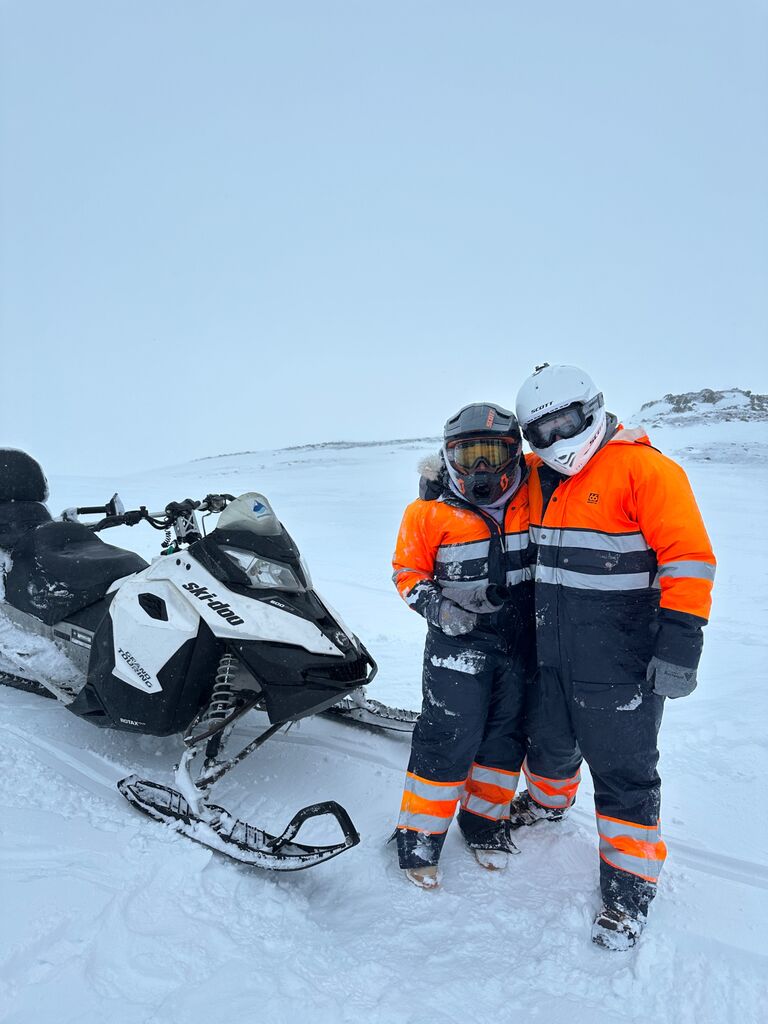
x: 217, y: 625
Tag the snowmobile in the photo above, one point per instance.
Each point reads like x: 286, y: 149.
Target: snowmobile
x: 220, y: 623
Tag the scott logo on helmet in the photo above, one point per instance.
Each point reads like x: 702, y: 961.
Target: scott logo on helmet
x: 220, y: 607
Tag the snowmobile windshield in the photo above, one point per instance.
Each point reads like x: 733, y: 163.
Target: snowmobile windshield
x: 252, y: 513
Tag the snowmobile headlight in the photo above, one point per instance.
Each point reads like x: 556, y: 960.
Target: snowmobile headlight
x: 262, y: 572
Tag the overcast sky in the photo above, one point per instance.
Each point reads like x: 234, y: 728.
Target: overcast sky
x: 241, y: 225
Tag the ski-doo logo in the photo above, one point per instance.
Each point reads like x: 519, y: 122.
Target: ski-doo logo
x: 220, y: 607
x: 131, y: 662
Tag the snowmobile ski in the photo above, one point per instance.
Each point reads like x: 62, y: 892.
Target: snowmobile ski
x: 221, y: 832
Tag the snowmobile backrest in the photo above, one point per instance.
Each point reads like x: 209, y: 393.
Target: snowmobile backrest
x: 18, y: 518
x: 60, y: 568
x: 21, y: 477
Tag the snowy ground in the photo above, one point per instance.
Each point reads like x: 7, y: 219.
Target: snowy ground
x: 106, y: 916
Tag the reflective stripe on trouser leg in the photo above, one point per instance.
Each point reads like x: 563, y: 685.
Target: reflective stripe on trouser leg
x: 428, y: 806
x: 628, y: 846
x: 558, y: 793
x: 488, y: 792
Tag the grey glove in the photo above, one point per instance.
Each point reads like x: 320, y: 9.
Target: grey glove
x: 484, y: 599
x: 670, y: 680
x: 447, y: 616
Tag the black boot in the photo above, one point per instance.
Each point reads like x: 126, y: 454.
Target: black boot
x: 616, y: 929
x: 525, y: 811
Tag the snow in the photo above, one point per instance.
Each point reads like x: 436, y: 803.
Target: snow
x: 107, y: 916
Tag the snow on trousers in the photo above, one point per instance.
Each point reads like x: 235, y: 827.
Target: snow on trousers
x: 615, y: 732
x: 468, y: 745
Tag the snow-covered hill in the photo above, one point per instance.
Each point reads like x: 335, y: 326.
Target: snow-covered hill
x: 705, y: 407
x: 106, y: 916
x: 709, y: 426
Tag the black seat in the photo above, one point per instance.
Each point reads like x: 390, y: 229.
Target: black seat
x: 17, y: 518
x: 59, y: 568
x: 23, y: 489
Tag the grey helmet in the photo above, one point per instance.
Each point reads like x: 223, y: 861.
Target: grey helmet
x: 482, y: 448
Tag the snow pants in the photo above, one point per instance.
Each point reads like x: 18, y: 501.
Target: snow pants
x: 615, y: 729
x: 468, y: 745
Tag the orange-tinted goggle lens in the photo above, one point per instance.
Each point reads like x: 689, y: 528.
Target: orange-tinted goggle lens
x: 494, y: 452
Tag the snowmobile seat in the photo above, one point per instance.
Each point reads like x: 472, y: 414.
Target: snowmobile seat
x: 60, y: 568
x: 17, y: 518
x: 23, y: 489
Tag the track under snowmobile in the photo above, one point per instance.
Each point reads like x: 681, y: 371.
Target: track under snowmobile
x: 358, y: 709
x: 220, y: 831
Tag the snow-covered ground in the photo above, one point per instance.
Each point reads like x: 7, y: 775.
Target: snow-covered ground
x: 107, y: 916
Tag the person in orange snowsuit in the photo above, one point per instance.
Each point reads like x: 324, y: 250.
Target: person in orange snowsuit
x: 623, y: 579
x: 462, y: 562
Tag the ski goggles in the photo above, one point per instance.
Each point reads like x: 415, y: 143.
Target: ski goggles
x: 563, y: 423
x: 495, y: 452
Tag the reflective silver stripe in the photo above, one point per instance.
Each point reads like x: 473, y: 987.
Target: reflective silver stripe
x: 593, y: 581
x: 691, y: 570
x: 645, y: 867
x: 515, y: 576
x: 423, y: 822
x: 623, y: 543
x: 516, y: 541
x: 549, y: 799
x: 612, y: 827
x: 648, y: 866
x: 475, y: 805
x: 462, y: 552
x: 398, y: 572
x: 433, y: 790
x: 494, y: 777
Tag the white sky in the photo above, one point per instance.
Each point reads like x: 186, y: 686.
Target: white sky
x: 243, y: 225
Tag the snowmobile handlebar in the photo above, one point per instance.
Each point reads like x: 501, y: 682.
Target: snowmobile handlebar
x: 159, y: 520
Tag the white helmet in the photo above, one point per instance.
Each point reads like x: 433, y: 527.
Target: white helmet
x: 562, y: 416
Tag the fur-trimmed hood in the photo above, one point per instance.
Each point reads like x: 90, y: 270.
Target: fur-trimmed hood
x: 433, y: 477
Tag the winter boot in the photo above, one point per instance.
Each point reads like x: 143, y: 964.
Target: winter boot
x: 525, y: 811
x: 426, y: 877
x: 491, y: 849
x: 616, y: 929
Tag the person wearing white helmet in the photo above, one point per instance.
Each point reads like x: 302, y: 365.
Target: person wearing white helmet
x: 623, y: 578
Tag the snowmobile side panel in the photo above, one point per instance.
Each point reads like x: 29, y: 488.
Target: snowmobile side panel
x: 233, y: 616
x: 185, y: 683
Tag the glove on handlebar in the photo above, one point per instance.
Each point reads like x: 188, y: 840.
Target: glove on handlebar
x: 670, y: 680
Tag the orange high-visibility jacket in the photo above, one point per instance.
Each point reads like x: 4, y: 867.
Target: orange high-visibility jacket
x: 451, y: 545
x: 624, y: 566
